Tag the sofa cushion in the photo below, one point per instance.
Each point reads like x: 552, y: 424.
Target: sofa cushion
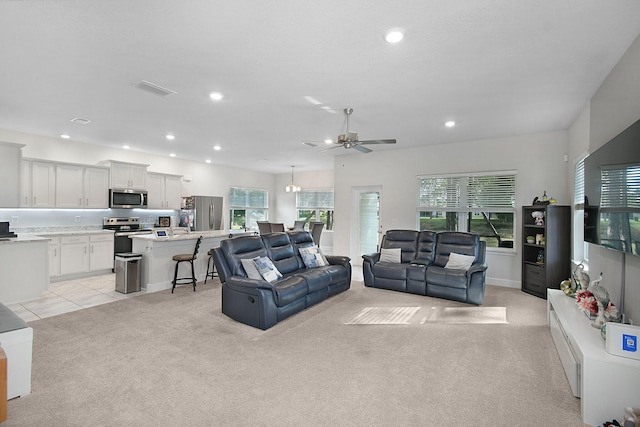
x: 281, y: 252
x: 312, y: 257
x: 316, y: 278
x: 459, y: 261
x: 390, y: 255
x: 236, y: 249
x: 390, y: 270
x: 455, y: 241
x: 267, y: 270
x: 404, y: 239
x: 250, y: 268
x: 446, y: 277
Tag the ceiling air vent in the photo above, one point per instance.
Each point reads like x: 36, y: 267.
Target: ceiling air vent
x: 80, y: 120
x: 155, y: 89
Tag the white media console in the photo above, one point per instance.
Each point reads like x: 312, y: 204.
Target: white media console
x: 606, y: 384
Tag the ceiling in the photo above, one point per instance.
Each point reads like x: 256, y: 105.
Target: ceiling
x: 496, y: 67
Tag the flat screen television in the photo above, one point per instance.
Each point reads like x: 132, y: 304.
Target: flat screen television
x: 612, y: 193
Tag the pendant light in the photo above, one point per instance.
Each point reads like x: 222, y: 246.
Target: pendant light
x: 292, y: 188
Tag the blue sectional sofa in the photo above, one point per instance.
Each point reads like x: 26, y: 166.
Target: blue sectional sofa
x: 426, y: 266
x: 262, y: 304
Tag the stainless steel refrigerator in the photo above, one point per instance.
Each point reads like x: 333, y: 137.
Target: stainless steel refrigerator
x: 201, y: 213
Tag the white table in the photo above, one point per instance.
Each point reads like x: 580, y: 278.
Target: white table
x: 606, y: 384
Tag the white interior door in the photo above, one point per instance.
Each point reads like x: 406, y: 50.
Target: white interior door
x: 366, y: 225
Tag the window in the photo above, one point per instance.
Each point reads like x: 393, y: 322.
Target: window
x: 478, y: 203
x: 248, y: 205
x: 315, y: 205
x: 580, y: 248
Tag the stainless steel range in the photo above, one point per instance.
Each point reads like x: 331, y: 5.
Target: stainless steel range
x: 123, y: 227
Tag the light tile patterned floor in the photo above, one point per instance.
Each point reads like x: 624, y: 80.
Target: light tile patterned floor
x: 71, y: 295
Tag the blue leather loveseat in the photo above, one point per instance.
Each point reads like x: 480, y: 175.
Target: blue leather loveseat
x: 262, y: 304
x: 427, y: 264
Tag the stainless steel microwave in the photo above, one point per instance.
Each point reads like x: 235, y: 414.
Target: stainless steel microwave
x: 127, y: 199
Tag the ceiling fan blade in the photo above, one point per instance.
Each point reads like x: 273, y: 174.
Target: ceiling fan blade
x: 330, y: 148
x: 361, y: 148
x: 378, y: 141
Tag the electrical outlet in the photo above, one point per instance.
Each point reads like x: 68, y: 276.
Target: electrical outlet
x: 15, y: 219
x: 77, y: 218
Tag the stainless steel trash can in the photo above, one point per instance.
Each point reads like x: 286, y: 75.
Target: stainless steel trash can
x: 128, y: 272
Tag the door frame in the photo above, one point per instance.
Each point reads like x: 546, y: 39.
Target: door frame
x: 356, y: 192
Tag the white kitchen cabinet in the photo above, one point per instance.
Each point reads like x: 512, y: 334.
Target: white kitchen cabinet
x: 101, y: 252
x: 128, y: 175
x: 10, y: 173
x: 69, y: 180
x: 164, y: 191
x: 74, y: 254
x: 96, y: 187
x: 43, y: 185
x: 54, y: 256
x: 25, y: 184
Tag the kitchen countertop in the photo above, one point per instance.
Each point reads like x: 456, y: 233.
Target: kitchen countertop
x: 22, y: 237
x: 186, y: 236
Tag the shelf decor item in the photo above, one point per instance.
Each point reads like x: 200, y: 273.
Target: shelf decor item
x: 531, y: 239
x: 538, y: 216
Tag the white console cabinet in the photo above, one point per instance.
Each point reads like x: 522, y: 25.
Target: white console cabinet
x: 606, y: 384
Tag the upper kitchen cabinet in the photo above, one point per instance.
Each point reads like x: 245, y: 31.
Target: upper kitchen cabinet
x: 38, y: 184
x: 79, y: 186
x: 10, y: 173
x: 164, y: 191
x: 127, y: 175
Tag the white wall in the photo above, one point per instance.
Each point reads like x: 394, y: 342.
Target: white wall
x: 614, y: 107
x: 538, y: 160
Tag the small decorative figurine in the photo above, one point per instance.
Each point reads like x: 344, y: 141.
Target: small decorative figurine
x: 538, y: 216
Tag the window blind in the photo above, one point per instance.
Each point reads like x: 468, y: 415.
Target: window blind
x: 248, y: 198
x: 578, y: 185
x: 466, y: 193
x: 320, y: 199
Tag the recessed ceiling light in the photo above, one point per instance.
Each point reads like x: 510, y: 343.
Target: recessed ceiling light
x: 126, y: 147
x: 172, y: 154
x: 216, y: 96
x: 217, y: 147
x: 208, y: 161
x: 64, y: 136
x: 328, y: 141
x: 394, y: 35
x: 170, y: 137
x: 450, y: 124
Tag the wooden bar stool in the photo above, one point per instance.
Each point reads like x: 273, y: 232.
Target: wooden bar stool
x: 213, y: 273
x: 190, y: 258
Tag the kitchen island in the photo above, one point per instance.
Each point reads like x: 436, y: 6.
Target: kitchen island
x: 25, y: 273
x: 158, y: 266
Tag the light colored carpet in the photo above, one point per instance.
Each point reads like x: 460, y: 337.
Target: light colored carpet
x: 167, y: 359
x: 478, y: 315
x: 384, y: 316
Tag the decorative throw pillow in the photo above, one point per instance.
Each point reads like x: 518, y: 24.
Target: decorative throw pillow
x: 459, y: 261
x: 249, y: 266
x: 312, y: 257
x: 267, y: 270
x: 391, y: 255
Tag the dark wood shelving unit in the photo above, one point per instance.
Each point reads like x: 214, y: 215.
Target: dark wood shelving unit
x: 538, y: 276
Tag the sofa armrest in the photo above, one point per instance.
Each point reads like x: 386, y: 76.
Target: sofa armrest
x: 371, y: 258
x: 248, y: 285
x: 338, y: 259
x: 476, y: 268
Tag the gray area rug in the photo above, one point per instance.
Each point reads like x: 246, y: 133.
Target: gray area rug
x: 167, y: 359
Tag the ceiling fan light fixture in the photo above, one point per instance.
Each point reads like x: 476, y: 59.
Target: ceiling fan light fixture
x: 292, y: 188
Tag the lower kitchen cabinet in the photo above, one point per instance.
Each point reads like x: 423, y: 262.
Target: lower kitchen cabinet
x: 70, y: 255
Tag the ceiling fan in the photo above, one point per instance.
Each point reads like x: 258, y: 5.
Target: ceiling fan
x: 350, y: 139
